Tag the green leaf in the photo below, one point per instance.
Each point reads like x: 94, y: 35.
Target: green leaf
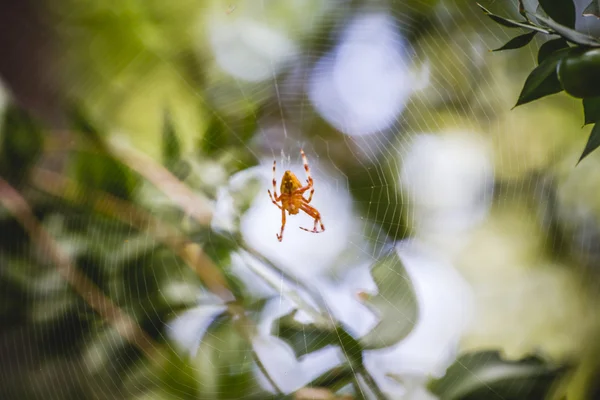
x: 215, y: 137
x: 334, y: 379
x: 522, y: 9
x: 550, y: 47
x: 509, y: 22
x: 222, y: 134
x: 171, y: 149
x: 82, y: 125
x: 592, y: 143
x: 518, y: 42
x: 395, y: 303
x: 307, y: 338
x: 561, y: 11
x: 543, y: 80
x: 103, y: 173
x: 591, y: 110
x: 485, y: 375
x: 569, y: 34
x: 21, y: 143
x: 592, y: 9
x: 224, y: 364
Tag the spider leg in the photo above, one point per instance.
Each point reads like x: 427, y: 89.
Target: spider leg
x: 314, y: 214
x: 274, y: 181
x: 280, y: 235
x: 273, y: 199
x: 309, y: 179
x: 312, y: 191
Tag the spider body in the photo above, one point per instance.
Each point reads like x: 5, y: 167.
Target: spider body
x: 292, y: 197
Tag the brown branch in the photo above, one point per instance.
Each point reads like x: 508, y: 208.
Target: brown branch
x: 12, y: 200
x: 197, y: 206
x: 193, y: 204
x: 190, y: 252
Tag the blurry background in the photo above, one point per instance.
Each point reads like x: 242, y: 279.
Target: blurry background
x: 138, y: 256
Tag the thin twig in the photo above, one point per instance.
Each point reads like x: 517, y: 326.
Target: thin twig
x: 269, y: 265
x: 264, y: 371
x: 195, y: 205
x: 12, y: 200
x: 198, y: 207
x: 371, y: 384
x: 318, y: 318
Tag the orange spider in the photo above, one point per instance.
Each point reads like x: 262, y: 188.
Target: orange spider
x: 292, y: 197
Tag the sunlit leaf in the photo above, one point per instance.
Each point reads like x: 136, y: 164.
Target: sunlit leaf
x: 570, y: 34
x: 395, y: 303
x: 543, y: 80
x: 224, y: 363
x: 550, y: 47
x: 562, y: 11
x: 592, y: 143
x: 307, y: 338
x: 592, y: 9
x: 485, y: 375
x: 518, y: 42
x: 591, y: 110
x: 177, y: 377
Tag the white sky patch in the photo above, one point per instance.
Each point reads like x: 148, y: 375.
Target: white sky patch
x: 248, y: 49
x: 448, y: 181
x: 363, y: 84
x: 445, y: 309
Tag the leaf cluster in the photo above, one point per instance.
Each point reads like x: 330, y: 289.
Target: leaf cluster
x: 557, y: 20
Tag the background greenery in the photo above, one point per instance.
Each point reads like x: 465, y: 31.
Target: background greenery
x: 106, y: 231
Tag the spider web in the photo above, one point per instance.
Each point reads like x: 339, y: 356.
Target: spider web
x: 404, y: 118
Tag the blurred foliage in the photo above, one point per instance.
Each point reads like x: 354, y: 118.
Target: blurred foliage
x: 146, y: 72
x: 486, y: 375
x: 143, y: 273
x: 569, y: 63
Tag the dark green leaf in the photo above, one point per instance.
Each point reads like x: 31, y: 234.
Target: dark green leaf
x: 592, y: 9
x: 215, y: 137
x: 171, y: 149
x: 518, y: 42
x: 569, y: 34
x: 592, y: 143
x: 82, y: 125
x: 21, y: 143
x: 485, y: 375
x: 550, y: 47
x: 561, y: 11
x: 591, y: 110
x: 543, y: 80
x: 307, y: 338
x: 103, y: 173
x: 395, y: 303
x: 335, y: 378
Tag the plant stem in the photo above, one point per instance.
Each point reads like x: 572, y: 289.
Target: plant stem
x: 319, y: 319
x: 371, y: 384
